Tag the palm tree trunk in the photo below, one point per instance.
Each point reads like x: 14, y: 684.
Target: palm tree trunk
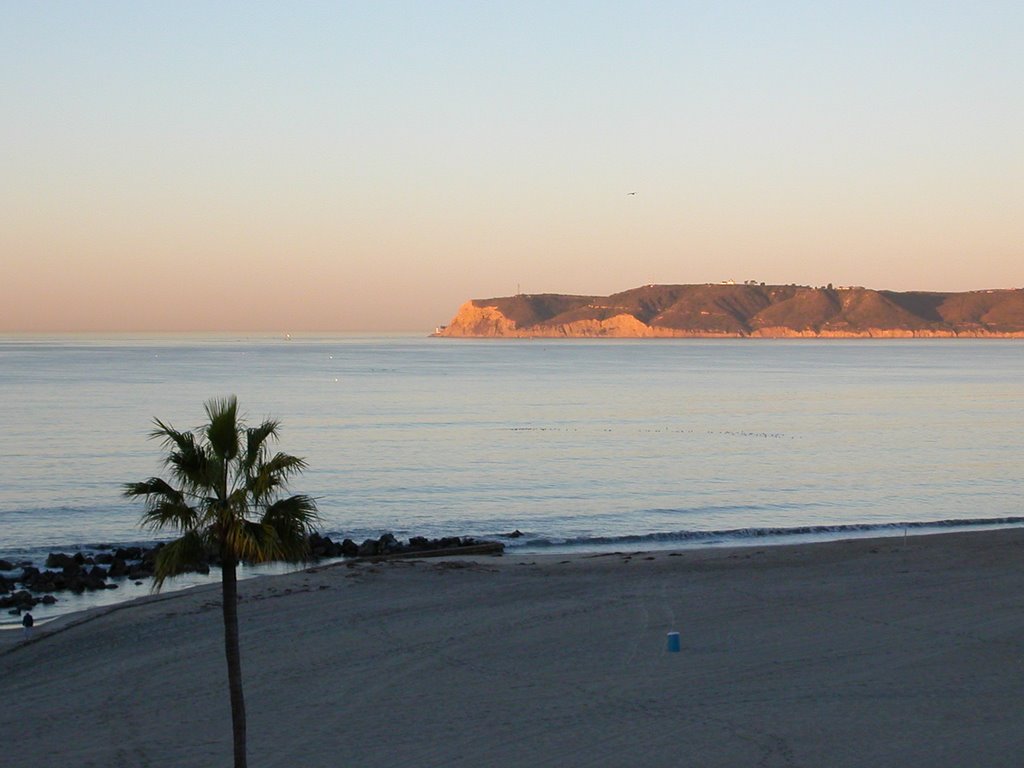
x: 229, y: 583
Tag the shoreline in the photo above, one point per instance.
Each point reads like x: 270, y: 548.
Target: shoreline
x: 852, y: 652
x: 128, y: 589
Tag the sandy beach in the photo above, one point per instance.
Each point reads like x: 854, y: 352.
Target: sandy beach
x: 878, y: 652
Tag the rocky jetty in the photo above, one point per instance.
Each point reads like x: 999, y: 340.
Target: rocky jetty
x: 388, y: 546
x: 77, y: 573
x: 27, y: 585
x: 745, y: 310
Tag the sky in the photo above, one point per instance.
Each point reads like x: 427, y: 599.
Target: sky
x: 344, y: 166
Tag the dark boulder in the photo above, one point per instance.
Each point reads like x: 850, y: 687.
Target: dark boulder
x: 59, y: 560
x: 95, y: 579
x: 323, y: 546
x: 20, y: 600
x: 139, y: 571
x: 368, y: 548
x: 73, y: 577
x: 7, y: 565
x: 419, y: 546
x: 316, y: 545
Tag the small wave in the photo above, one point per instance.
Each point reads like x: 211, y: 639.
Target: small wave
x: 739, y: 535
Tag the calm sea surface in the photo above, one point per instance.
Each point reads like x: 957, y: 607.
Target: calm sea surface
x: 574, y: 442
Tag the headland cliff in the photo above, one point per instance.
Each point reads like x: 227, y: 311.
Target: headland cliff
x: 745, y: 310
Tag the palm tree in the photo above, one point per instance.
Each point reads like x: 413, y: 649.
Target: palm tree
x: 224, y: 500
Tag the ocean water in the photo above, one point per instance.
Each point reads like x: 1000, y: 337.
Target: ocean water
x: 576, y: 443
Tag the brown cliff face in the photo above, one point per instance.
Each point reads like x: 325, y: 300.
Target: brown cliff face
x: 774, y: 311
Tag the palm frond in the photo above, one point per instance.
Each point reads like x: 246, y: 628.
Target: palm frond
x: 222, y: 429
x: 292, y: 520
x: 170, y: 437
x: 166, y: 506
x: 206, y: 519
x: 168, y: 514
x: 301, y: 509
x: 237, y: 504
x: 154, y: 487
x: 285, y: 465
x: 177, y: 557
x: 249, y: 541
x: 256, y: 441
x: 190, y: 465
x: 217, y: 476
x: 274, y: 474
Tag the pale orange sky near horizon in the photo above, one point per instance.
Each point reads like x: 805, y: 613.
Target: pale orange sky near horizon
x: 186, y: 167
